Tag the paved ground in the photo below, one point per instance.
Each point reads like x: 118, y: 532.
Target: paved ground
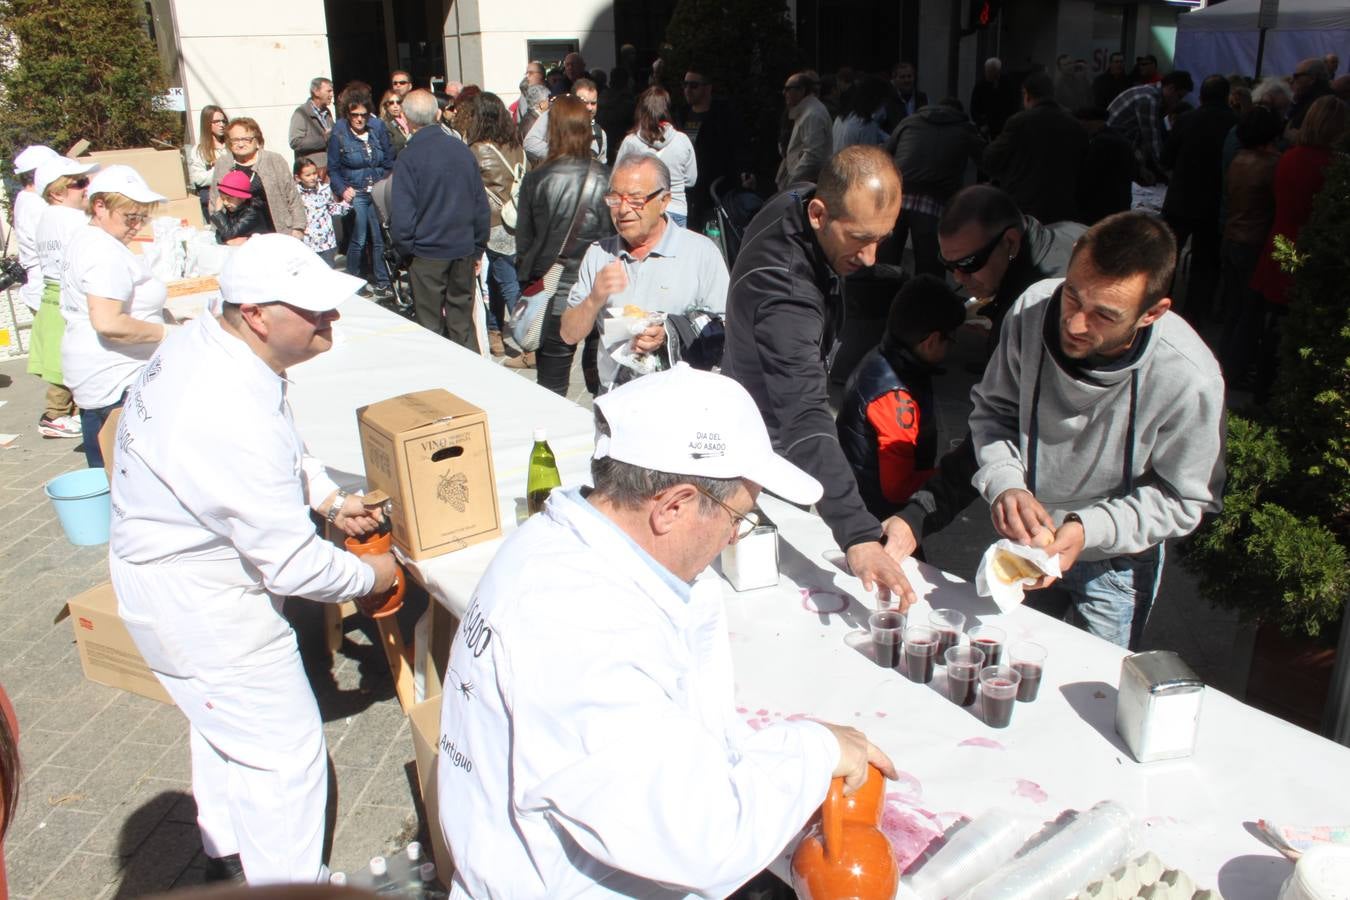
x: 106, y: 809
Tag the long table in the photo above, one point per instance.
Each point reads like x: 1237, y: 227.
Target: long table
x: 799, y: 649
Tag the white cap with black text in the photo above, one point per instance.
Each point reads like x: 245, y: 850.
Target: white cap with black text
x: 685, y: 421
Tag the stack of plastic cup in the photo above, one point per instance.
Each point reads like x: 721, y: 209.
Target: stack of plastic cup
x: 972, y: 854
x: 1097, y: 841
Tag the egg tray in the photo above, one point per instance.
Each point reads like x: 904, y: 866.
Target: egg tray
x: 1146, y: 878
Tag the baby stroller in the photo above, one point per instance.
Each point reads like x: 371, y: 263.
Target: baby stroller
x: 398, y: 272
x: 733, y: 208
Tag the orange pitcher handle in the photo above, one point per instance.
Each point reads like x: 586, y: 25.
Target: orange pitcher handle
x: 832, y: 822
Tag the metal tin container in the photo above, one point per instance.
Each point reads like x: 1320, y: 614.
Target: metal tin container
x: 752, y: 561
x: 1158, y: 705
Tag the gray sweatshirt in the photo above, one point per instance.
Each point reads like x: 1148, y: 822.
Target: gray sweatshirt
x: 1083, y: 426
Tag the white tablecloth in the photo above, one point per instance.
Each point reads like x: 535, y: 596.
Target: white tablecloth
x: 1060, y: 752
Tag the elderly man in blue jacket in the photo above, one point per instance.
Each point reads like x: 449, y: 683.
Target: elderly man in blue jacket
x: 439, y: 217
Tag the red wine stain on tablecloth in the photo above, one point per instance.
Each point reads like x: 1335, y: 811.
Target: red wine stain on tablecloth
x: 823, y: 602
x: 909, y: 830
x: 986, y: 743
x: 1031, y: 790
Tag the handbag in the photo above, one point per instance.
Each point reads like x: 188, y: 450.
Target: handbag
x: 508, y: 209
x: 527, y: 316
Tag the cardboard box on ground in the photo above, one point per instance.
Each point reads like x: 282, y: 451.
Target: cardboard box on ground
x: 430, y: 452
x: 107, y: 652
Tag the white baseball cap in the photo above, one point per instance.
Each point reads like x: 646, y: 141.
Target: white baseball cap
x: 54, y: 168
x: 689, y: 422
x: 123, y: 180
x: 31, y: 157
x: 277, y: 268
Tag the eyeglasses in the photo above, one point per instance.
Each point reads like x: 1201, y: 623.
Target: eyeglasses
x: 243, y: 142
x: 743, y: 523
x: 357, y: 115
x: 976, y: 261
x: 389, y: 103
x: 219, y: 121
x: 134, y: 219
x: 615, y: 200
x: 400, y: 81
x: 78, y: 184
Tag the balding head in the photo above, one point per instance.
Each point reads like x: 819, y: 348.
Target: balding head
x: 855, y: 207
x: 420, y: 108
x: 859, y: 173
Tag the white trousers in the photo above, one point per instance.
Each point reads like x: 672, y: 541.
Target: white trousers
x: 259, y: 760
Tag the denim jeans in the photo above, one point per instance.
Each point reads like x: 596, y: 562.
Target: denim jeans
x: 91, y: 422
x: 367, y: 224
x: 503, y: 289
x: 1110, y: 598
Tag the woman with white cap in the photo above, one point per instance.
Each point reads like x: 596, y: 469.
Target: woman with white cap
x: 113, y: 306
x: 62, y: 183
x: 28, y: 207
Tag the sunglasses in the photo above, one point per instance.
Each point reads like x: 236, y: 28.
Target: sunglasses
x: 133, y: 219
x: 357, y: 115
x: 79, y: 183
x: 402, y: 81
x: 976, y: 261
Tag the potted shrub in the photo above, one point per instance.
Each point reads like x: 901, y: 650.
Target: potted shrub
x: 1278, y: 552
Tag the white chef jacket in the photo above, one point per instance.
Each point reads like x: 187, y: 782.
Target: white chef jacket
x: 589, y: 740
x: 56, y: 227
x: 96, y: 370
x: 211, y: 492
x: 28, y: 208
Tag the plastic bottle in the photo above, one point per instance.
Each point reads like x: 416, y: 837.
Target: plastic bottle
x: 338, y: 878
x: 381, y: 883
x: 543, y: 476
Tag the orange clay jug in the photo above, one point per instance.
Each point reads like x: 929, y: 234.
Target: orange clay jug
x: 845, y: 855
x: 383, y: 542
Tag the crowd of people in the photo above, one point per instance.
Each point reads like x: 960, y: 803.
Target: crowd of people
x: 1096, y: 431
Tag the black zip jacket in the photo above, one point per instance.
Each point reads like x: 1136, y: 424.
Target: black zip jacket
x: 784, y: 307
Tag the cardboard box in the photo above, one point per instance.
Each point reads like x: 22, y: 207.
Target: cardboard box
x: 163, y: 170
x: 189, y: 210
x: 431, y: 453
x: 107, y: 653
x: 426, y: 730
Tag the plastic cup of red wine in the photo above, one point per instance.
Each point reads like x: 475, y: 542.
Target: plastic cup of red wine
x: 921, y: 644
x: 948, y: 623
x: 963, y: 674
x: 1028, y: 659
x: 887, y: 628
x: 998, y: 693
x: 990, y: 639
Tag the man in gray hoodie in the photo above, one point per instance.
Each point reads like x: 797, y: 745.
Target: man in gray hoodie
x: 1100, y: 418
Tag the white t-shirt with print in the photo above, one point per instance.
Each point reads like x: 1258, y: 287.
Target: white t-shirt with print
x: 55, y: 229
x: 97, y: 370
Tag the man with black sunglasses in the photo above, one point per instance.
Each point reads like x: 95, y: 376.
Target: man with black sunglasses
x: 995, y: 252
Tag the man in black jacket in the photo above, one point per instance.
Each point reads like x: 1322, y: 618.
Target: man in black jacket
x: 1039, y: 154
x: 1194, y: 153
x: 720, y: 147
x: 784, y: 308
x: 439, y: 216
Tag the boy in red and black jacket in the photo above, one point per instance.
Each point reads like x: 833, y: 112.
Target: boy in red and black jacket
x: 888, y: 420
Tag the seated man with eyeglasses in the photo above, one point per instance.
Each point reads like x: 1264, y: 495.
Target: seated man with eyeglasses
x: 888, y: 423
x: 650, y: 263
x: 588, y: 732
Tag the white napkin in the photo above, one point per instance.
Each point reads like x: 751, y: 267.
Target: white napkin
x: 621, y: 330
x: 1005, y: 595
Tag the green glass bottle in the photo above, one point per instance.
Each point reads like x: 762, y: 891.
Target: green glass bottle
x: 543, y: 475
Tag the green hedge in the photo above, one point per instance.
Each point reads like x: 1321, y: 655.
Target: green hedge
x: 1278, y: 551
x: 79, y: 69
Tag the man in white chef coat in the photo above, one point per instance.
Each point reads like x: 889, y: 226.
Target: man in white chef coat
x: 211, y: 492
x: 589, y: 740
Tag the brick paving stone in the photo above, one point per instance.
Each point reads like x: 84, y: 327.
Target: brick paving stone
x: 140, y: 810
x: 163, y: 727
x: 160, y: 859
x: 83, y: 875
x: 36, y: 858
x: 117, y: 775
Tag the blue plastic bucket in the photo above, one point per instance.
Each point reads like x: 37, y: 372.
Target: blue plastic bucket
x: 83, y: 504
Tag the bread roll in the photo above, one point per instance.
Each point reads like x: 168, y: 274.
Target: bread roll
x: 1010, y: 568
x: 634, y: 312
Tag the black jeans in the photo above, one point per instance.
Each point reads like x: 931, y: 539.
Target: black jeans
x: 442, y: 292
x: 553, y: 359
x: 1204, y: 274
x: 923, y: 229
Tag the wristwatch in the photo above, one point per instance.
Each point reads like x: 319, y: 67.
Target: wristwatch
x: 338, y: 499
x: 1071, y: 517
